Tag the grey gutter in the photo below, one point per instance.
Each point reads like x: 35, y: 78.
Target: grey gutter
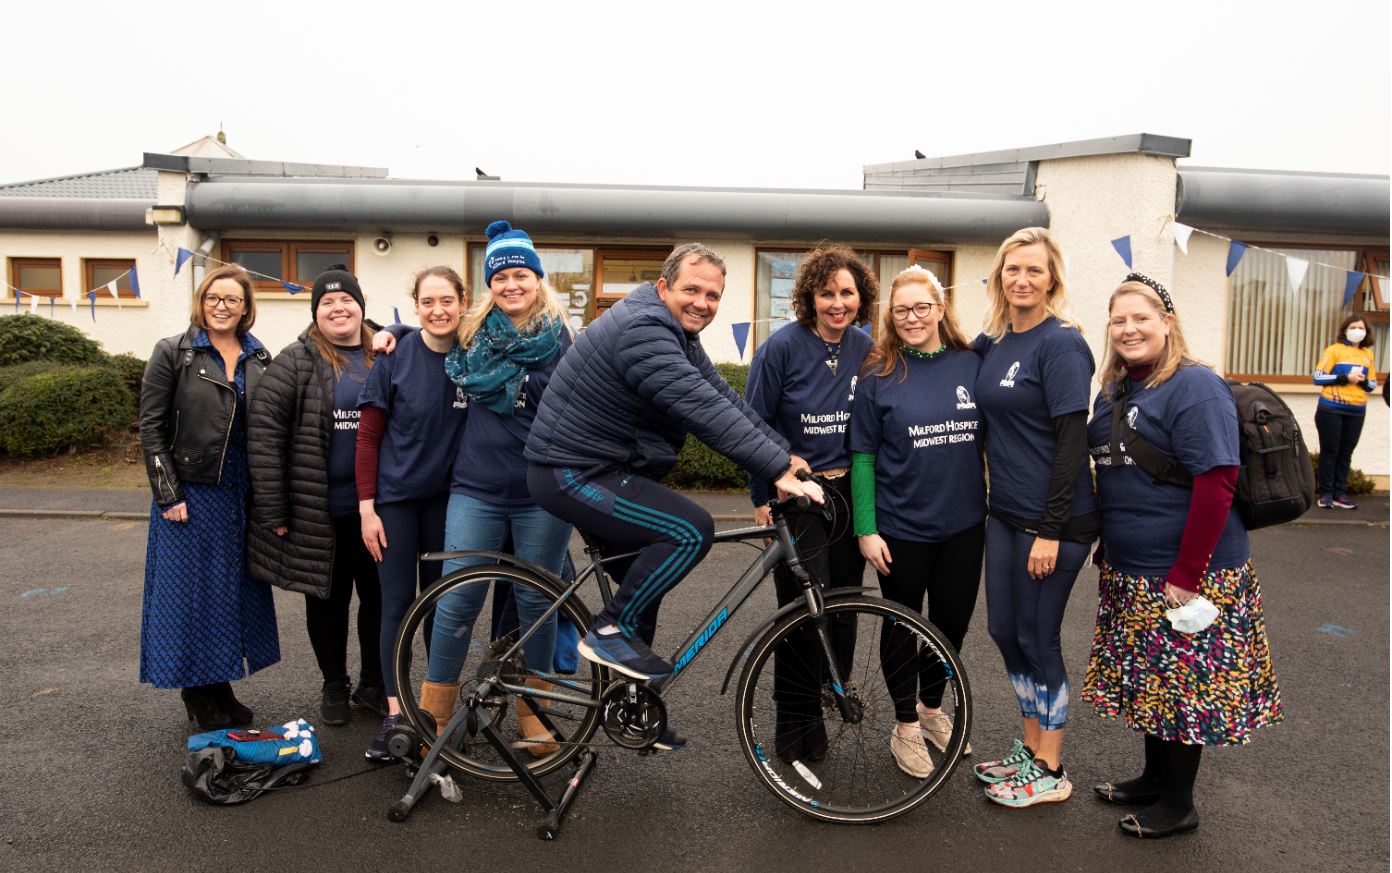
x: 72, y: 213
x: 1279, y: 202
x: 610, y: 210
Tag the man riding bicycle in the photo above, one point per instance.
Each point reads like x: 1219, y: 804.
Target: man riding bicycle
x: 610, y: 425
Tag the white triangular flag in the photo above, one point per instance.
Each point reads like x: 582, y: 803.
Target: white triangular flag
x: 1065, y: 266
x: 1181, y: 235
x: 33, y: 303
x: 115, y: 294
x: 1296, y: 267
x: 72, y: 301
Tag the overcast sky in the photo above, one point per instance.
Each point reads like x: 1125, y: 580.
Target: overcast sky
x: 703, y: 93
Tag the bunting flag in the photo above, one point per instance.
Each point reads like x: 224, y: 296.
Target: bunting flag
x: 92, y: 298
x: 741, y: 330
x: 1296, y: 268
x: 135, y: 283
x: 867, y: 327
x: 33, y: 304
x: 1122, y: 244
x: 1065, y: 269
x: 72, y: 301
x: 1235, y: 252
x: 1351, y: 285
x: 292, y: 287
x: 115, y: 292
x: 180, y: 259
x: 1181, y: 235
x: 396, y: 316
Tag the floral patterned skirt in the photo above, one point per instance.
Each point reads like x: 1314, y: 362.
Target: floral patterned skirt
x: 1211, y: 688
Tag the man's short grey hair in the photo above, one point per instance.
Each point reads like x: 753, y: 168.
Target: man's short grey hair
x: 703, y: 253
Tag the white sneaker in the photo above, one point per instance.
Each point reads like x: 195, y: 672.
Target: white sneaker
x: 938, y: 728
x: 910, y: 753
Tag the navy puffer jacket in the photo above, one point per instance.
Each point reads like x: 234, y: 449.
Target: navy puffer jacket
x: 632, y: 387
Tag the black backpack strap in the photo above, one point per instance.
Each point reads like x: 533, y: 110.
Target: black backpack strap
x: 1156, y: 464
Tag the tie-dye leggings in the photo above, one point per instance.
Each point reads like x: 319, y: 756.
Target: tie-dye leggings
x: 1024, y: 617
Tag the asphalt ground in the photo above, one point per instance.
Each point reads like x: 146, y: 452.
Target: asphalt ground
x: 89, y: 758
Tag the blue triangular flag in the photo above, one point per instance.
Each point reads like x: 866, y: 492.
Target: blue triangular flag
x: 741, y: 330
x: 1351, y: 285
x: 17, y: 293
x: 1235, y: 252
x: 985, y: 280
x: 92, y: 296
x: 135, y: 283
x: 292, y: 287
x: 1122, y: 244
x: 396, y: 316
x: 51, y: 301
x: 180, y: 259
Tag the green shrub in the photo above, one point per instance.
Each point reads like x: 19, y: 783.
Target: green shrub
x: 33, y: 338
x: 1358, y: 481
x: 66, y: 406
x: 698, y: 466
x: 17, y: 372
x: 131, y: 370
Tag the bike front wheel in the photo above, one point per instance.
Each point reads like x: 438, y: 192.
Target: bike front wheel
x: 835, y: 762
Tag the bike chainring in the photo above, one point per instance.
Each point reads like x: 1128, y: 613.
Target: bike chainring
x: 633, y: 715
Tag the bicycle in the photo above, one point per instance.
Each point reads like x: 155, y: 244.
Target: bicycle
x: 856, y: 781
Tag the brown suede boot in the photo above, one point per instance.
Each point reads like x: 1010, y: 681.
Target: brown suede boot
x: 529, y: 727
x: 439, y: 700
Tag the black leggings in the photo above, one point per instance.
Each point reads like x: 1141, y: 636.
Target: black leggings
x: 833, y: 556
x: 1338, y: 437
x: 624, y: 511
x: 327, y: 618
x: 412, y: 527
x: 949, y: 573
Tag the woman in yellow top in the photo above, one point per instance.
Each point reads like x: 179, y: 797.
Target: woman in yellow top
x: 1347, y: 375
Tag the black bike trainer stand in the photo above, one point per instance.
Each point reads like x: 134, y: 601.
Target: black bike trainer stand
x: 404, y: 743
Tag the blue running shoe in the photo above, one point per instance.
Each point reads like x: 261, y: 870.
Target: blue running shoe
x: 377, y: 749
x: 670, y: 741
x: 628, y: 656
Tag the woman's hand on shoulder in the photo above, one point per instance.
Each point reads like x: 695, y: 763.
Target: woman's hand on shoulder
x: 875, y: 550
x: 383, y: 343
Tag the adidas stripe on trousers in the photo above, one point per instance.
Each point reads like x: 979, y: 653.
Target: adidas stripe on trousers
x: 624, y: 511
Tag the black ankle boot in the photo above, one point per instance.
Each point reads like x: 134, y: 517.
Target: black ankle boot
x: 236, y: 711
x: 204, y: 709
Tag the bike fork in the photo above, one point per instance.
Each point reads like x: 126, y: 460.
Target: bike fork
x: 851, y: 711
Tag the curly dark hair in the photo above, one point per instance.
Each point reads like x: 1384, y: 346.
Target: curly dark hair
x: 824, y: 262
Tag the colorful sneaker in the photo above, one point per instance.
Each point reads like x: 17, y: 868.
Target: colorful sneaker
x: 377, y: 749
x: 1031, y: 785
x: 992, y: 772
x: 1326, y: 502
x: 1343, y: 503
x: 627, y: 655
x: 910, y: 753
x: 937, y: 727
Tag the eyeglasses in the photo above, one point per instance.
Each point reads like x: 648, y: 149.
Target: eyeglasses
x: 920, y: 310
x: 213, y: 301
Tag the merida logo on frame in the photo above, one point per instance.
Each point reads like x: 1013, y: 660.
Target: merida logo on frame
x: 700, y: 642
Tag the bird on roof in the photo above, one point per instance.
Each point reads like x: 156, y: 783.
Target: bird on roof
x: 920, y: 155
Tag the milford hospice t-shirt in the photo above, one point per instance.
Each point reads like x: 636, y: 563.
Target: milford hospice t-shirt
x: 343, y: 439
x: 925, y: 433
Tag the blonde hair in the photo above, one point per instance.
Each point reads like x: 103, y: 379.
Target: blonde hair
x: 543, y: 308
x: 1175, y: 355
x: 1055, y: 302
x: 888, y: 353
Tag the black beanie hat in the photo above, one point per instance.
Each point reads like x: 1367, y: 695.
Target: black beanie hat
x: 335, y: 278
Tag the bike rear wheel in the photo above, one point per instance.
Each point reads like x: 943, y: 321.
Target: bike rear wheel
x: 575, y: 721
x: 857, y: 778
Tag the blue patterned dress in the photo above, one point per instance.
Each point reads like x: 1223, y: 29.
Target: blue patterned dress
x: 204, y: 620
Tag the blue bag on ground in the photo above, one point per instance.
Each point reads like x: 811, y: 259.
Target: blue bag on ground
x: 291, y: 743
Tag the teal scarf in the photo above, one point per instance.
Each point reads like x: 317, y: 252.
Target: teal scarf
x: 492, y: 368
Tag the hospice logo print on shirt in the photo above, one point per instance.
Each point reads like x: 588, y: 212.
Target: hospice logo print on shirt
x: 964, y: 400
x: 1009, y: 380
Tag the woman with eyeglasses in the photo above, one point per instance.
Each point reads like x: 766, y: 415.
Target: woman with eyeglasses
x: 920, y: 499
x: 802, y: 382
x: 204, y: 622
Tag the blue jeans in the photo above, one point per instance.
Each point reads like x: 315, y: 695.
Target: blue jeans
x: 476, y: 525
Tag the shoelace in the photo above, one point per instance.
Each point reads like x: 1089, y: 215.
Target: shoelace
x: 1017, y: 756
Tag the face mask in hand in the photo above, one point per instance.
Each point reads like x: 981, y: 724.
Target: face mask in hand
x: 1355, y: 335
x: 1193, y: 616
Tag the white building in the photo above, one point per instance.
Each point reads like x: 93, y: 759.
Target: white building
x: 61, y: 238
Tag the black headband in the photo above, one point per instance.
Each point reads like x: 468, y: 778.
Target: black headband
x: 1154, y: 286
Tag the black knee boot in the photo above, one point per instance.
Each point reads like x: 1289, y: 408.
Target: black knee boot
x: 1173, y: 813
x: 204, y: 708
x: 236, y: 711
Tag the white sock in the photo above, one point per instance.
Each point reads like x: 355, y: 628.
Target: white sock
x: 608, y: 630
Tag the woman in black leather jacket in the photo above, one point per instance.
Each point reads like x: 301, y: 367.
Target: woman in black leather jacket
x: 204, y: 622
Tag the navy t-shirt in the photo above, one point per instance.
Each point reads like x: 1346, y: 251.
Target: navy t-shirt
x: 425, y: 413
x: 793, y: 389
x: 925, y: 432
x: 343, y: 439
x: 489, y: 465
x: 1026, y: 381
x: 1192, y: 417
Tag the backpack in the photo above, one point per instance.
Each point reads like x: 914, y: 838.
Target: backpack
x: 1275, y: 480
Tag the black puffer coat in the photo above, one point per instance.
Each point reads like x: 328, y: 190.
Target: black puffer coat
x: 289, y: 425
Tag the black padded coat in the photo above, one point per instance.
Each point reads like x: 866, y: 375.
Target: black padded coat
x: 289, y: 425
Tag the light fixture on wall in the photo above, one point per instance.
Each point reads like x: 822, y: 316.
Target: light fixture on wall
x: 432, y: 240
x: 164, y: 215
